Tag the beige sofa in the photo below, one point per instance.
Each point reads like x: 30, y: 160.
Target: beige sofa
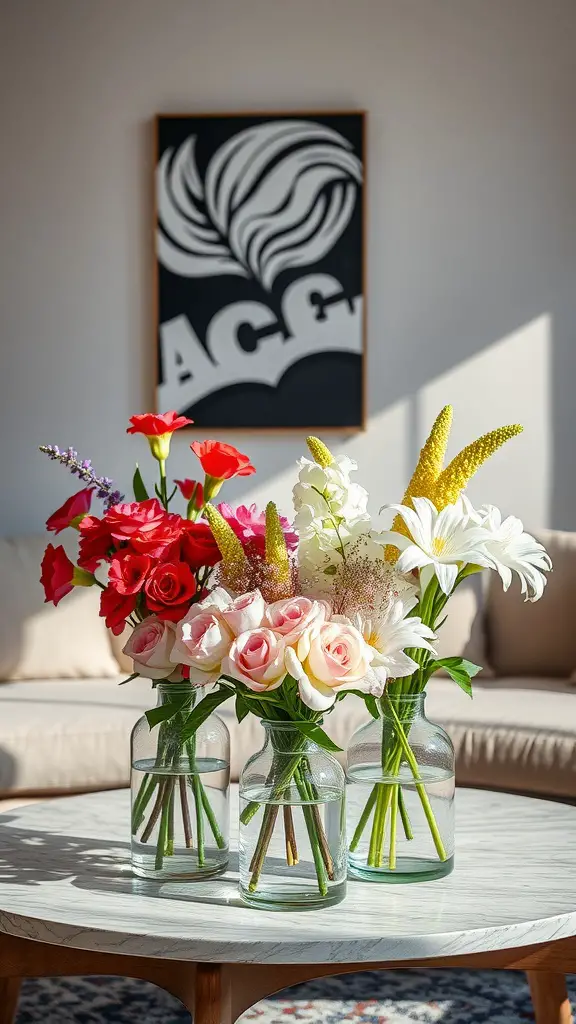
x: 65, y: 722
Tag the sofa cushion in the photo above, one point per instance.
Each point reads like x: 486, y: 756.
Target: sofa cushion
x: 37, y: 640
x: 538, y: 639
x: 462, y: 634
x: 68, y: 735
x: 516, y: 734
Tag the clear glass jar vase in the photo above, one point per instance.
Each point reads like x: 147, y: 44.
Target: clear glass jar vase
x: 180, y: 792
x: 400, y: 795
x: 292, y: 844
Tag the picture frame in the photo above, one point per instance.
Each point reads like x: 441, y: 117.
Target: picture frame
x: 259, y: 269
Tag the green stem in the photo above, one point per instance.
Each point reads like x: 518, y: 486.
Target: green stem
x: 363, y: 819
x: 143, y: 798
x: 420, y: 789
x: 163, y: 830
x: 196, y: 789
x: 208, y: 810
x: 314, y: 843
x: 163, y: 485
x: 404, y: 815
x: 218, y: 837
x: 170, y: 835
x: 393, y: 822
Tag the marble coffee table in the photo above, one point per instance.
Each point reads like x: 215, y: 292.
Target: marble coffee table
x: 70, y: 906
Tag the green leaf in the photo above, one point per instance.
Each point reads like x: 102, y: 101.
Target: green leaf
x: 140, y: 492
x: 317, y: 735
x: 135, y: 675
x: 242, y: 708
x: 460, y: 670
x: 371, y: 705
x: 203, y: 710
x: 166, y: 711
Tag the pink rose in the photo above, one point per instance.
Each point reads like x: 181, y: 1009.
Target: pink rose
x: 291, y: 616
x: 328, y: 659
x: 257, y: 659
x: 245, y: 612
x: 150, y: 645
x: 202, y: 640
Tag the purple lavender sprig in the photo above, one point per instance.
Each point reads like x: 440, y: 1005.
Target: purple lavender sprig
x: 84, y: 470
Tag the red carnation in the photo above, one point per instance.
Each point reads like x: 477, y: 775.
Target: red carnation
x: 222, y: 461
x: 59, y: 575
x: 152, y: 425
x: 169, y: 590
x: 145, y: 526
x: 198, y: 546
x: 115, y: 609
x: 95, y: 543
x: 158, y: 430
x: 71, y: 512
x: 191, y: 490
x: 128, y: 572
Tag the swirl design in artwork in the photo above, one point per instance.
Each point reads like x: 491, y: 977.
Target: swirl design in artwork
x: 275, y: 196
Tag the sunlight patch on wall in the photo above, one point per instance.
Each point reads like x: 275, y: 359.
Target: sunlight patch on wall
x: 508, y: 382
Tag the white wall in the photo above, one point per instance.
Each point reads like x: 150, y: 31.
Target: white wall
x: 472, y: 218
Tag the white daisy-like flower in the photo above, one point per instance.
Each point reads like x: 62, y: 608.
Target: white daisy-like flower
x: 510, y: 550
x: 390, y: 634
x: 444, y: 540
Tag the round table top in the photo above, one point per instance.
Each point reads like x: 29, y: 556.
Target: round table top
x: 65, y: 878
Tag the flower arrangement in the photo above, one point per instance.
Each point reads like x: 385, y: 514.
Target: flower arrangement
x: 285, y: 618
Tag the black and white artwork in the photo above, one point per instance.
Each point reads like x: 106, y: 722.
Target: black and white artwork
x: 259, y: 269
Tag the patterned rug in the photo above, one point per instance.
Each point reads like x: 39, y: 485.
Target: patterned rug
x: 393, y: 997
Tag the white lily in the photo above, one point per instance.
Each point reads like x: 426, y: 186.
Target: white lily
x: 443, y: 540
x: 390, y: 634
x: 510, y: 550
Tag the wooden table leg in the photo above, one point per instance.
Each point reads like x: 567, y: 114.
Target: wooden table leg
x: 549, y: 998
x: 9, y: 992
x: 208, y: 1007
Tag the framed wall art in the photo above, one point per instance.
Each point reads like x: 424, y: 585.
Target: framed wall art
x: 259, y: 269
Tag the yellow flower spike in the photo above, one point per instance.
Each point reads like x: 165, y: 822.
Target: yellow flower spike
x: 319, y: 452
x: 276, y: 550
x: 428, y: 469
x: 233, y: 557
x: 454, y: 478
x: 431, y: 459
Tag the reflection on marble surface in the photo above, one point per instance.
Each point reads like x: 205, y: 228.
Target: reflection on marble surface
x: 65, y: 877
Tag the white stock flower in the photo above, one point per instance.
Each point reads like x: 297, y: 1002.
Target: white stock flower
x: 443, y: 540
x: 390, y: 634
x: 331, y: 514
x: 510, y: 550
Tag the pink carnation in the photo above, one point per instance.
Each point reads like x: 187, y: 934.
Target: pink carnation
x: 250, y: 526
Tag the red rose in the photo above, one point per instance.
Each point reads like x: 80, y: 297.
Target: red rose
x: 95, y: 543
x: 198, y: 545
x: 74, y: 509
x: 128, y: 572
x: 191, y: 490
x: 59, y: 575
x: 145, y: 526
x: 169, y: 589
x: 158, y: 430
x: 115, y: 609
x: 222, y: 461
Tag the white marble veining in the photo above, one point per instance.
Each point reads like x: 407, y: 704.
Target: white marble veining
x: 65, y: 878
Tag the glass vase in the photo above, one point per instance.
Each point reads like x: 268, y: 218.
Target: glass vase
x: 292, y: 844
x: 180, y: 792
x: 400, y: 795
